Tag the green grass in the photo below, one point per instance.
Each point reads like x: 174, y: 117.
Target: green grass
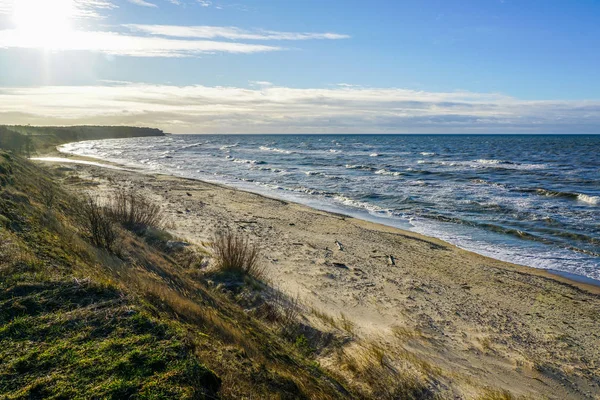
x: 64, y: 338
x: 79, y: 322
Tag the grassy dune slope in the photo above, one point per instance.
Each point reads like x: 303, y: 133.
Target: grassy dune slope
x: 78, y: 321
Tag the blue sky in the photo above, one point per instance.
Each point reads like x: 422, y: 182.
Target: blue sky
x: 498, y: 66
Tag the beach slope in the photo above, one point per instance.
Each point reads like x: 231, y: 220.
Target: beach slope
x: 475, y: 321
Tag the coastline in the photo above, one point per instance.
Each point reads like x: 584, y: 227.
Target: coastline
x: 474, y: 317
x: 580, y: 281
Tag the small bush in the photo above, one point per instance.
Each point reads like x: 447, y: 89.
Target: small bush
x: 134, y: 212
x: 48, y: 195
x: 98, y: 224
x: 235, y: 253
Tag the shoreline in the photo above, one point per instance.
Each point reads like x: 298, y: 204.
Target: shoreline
x: 576, y: 280
x: 476, y: 318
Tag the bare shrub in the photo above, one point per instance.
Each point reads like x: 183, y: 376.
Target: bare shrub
x: 135, y: 212
x: 235, y: 253
x: 98, y: 224
x: 48, y: 195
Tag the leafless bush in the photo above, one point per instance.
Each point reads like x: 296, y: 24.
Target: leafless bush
x: 48, y: 195
x: 98, y: 224
x: 134, y: 212
x: 235, y: 253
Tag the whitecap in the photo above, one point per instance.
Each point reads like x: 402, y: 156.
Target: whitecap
x: 313, y: 173
x: 386, y: 172
x: 588, y: 199
x: 242, y: 161
x: 228, y: 146
x: 359, y: 166
x: 275, y: 150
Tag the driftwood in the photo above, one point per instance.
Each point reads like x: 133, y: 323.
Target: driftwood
x: 391, y: 259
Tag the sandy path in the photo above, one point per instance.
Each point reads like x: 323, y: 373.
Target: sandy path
x: 476, y: 318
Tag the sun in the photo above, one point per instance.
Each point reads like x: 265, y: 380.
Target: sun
x: 44, y: 22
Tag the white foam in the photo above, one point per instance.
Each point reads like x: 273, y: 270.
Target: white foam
x: 386, y: 172
x: 484, y: 161
x: 242, y: 161
x: 312, y: 173
x: 275, y: 150
x: 588, y: 199
x: 358, y: 166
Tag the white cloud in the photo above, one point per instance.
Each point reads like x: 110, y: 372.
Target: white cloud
x: 143, y: 3
x: 205, y: 3
x: 260, y: 83
x: 229, y: 32
x: 272, y: 109
x: 125, y: 45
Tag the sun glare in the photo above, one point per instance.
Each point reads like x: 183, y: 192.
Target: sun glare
x: 44, y: 22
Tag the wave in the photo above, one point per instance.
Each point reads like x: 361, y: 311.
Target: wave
x: 189, y: 146
x: 374, y: 155
x: 360, y: 166
x: 334, y: 151
x: 276, y: 150
x: 586, y: 198
x: 489, y: 183
x: 275, y: 170
x: 228, y: 146
x: 387, y: 172
x: 427, y: 153
x: 242, y: 161
x: 362, y: 204
x: 313, y: 173
x: 485, y: 163
x: 492, y: 161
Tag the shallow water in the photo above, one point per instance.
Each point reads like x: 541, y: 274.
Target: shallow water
x: 532, y: 200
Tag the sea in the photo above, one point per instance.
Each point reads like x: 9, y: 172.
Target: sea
x: 532, y: 200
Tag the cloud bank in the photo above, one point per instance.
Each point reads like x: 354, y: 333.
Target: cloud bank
x: 230, y: 32
x: 115, y: 43
x: 272, y: 109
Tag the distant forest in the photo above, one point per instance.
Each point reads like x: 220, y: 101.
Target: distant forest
x: 30, y: 139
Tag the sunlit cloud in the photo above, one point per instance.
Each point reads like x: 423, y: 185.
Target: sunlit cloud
x: 272, y: 109
x: 114, y: 43
x: 232, y: 33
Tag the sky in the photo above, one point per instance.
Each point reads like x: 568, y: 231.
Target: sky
x: 305, y: 66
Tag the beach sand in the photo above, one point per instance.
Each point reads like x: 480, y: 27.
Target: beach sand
x: 482, y: 322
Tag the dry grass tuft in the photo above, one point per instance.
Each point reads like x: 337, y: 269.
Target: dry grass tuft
x: 496, y: 394
x: 378, y: 375
x: 98, y: 224
x: 234, y: 253
x: 135, y: 212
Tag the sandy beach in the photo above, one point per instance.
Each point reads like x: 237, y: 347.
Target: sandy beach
x: 475, y: 318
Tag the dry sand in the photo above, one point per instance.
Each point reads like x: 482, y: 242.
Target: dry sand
x: 482, y: 321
